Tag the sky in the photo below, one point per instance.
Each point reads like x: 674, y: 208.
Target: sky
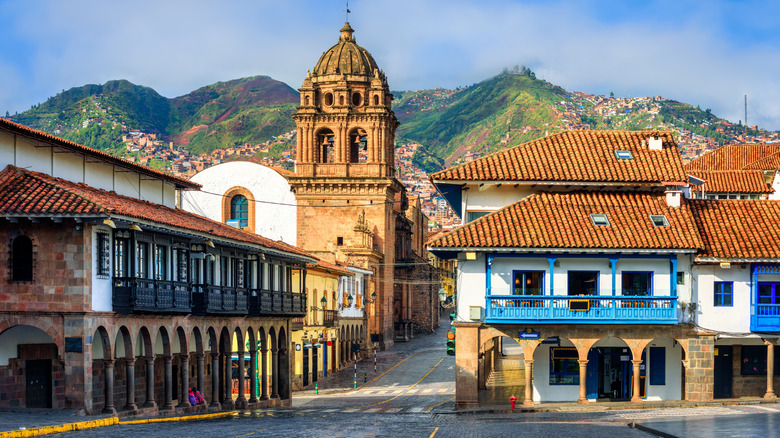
x: 709, y: 53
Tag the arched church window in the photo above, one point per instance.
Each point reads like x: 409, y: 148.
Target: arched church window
x: 357, y: 99
x: 239, y: 210
x: 376, y: 100
x: 328, y: 99
x: 306, y: 101
x: 22, y: 259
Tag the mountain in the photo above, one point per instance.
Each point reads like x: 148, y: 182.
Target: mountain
x: 450, y: 125
x: 219, y: 115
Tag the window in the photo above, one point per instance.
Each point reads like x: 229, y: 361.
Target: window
x: 657, y: 365
x: 623, y: 155
x: 141, y: 260
x: 528, y: 283
x: 768, y: 293
x: 659, y: 220
x: 680, y: 277
x: 564, y: 366
x: 181, y: 265
x: 599, y: 220
x: 583, y: 282
x: 22, y: 259
x: 637, y: 284
x: 472, y: 215
x: 239, y: 210
x: 160, y: 262
x: 103, y: 252
x: 724, y: 293
x: 328, y: 99
x: 339, y: 241
x: 121, y: 254
x: 753, y: 361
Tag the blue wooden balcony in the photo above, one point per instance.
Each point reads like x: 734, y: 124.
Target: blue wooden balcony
x: 765, y: 318
x: 581, y: 309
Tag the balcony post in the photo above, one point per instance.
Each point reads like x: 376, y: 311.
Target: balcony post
x: 635, y: 396
x: 552, y: 260
x: 770, y: 370
x: 613, y: 263
x: 583, y: 393
x: 253, y: 375
x: 673, y: 276
x: 529, y: 369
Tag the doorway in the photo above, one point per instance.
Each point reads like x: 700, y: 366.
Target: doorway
x: 724, y: 371
x: 38, y: 383
x: 609, y: 372
x: 314, y: 363
x: 305, y: 366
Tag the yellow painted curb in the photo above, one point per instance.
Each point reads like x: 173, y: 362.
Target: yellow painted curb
x: 68, y: 427
x: 181, y: 418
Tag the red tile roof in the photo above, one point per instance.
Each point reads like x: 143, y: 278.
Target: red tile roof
x: 26, y: 193
x: 738, y: 229
x: 738, y: 157
x: 75, y: 147
x: 733, y: 181
x: 562, y: 220
x: 323, y: 265
x: 577, y: 156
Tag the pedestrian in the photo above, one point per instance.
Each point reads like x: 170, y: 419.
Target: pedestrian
x: 198, y: 396
x: 193, y: 399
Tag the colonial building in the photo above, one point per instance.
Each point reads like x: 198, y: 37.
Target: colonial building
x: 580, y: 253
x: 739, y: 171
x: 115, y: 299
x: 349, y: 200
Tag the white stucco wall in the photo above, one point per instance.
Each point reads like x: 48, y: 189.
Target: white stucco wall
x: 277, y: 222
x: 735, y: 318
x: 470, y: 286
x: 101, y: 287
x: 672, y: 389
x: 20, y: 335
x: 490, y: 198
x: 543, y: 391
x: 775, y: 187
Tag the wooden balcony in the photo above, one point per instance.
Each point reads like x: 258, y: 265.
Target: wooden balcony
x: 217, y: 300
x: 297, y: 323
x: 581, y: 309
x: 331, y: 318
x: 142, y: 295
x: 271, y: 303
x: 765, y: 318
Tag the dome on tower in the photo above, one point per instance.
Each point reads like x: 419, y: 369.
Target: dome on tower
x: 346, y: 58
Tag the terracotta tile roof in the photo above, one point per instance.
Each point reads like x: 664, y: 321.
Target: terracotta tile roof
x: 738, y: 157
x: 26, y: 193
x: 562, y: 220
x: 733, y: 181
x: 738, y: 229
x: 323, y: 265
x: 75, y: 147
x: 577, y: 156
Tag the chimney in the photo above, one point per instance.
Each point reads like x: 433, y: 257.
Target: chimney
x: 673, y: 198
x: 655, y: 143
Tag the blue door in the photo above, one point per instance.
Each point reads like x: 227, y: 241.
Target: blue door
x: 592, y: 374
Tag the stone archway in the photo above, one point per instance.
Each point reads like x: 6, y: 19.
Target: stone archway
x: 29, y: 363
x: 284, y: 366
x: 102, y: 371
x: 124, y: 369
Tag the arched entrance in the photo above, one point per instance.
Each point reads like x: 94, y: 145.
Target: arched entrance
x: 609, y: 371
x: 29, y: 353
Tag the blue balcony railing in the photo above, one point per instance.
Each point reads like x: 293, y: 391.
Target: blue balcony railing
x: 765, y: 318
x: 581, y: 309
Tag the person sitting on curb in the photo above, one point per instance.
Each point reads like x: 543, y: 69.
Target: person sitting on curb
x: 193, y: 399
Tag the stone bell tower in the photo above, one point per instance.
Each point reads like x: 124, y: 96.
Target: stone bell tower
x: 345, y: 170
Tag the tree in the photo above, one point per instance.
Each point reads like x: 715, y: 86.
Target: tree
x: 611, y: 94
x: 7, y: 114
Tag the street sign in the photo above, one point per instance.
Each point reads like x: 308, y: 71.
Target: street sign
x: 528, y: 335
x: 297, y: 347
x: 552, y: 340
x: 307, y: 345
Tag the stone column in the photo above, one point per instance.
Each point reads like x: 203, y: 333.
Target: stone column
x: 168, y: 377
x: 215, y: 380
x: 227, y: 402
x: 529, y: 388
x: 150, y: 403
x: 635, y: 397
x: 770, y: 370
x: 241, y: 399
x: 130, y: 389
x: 583, y: 374
x: 108, y: 375
x: 184, y: 397
x: 264, y: 366
x: 199, y: 357
x: 275, y: 372
x: 253, y: 376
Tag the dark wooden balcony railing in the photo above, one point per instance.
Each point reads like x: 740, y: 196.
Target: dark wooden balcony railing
x: 270, y: 303
x: 296, y: 323
x: 331, y: 318
x: 217, y: 300
x: 142, y: 295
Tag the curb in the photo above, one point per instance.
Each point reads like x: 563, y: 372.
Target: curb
x: 68, y: 427
x: 179, y: 418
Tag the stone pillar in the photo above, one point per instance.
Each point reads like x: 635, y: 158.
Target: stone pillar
x: 770, y: 370
x: 168, y: 378
x: 130, y: 389
x: 253, y: 376
x: 184, y: 393
x: 583, y: 374
x: 635, y: 390
x: 275, y: 372
x: 466, y: 364
x: 529, y: 389
x: 241, y: 399
x: 700, y: 372
x: 108, y: 375
x: 150, y: 403
x: 199, y: 357
x: 215, y: 381
x: 227, y: 401
x: 264, y: 366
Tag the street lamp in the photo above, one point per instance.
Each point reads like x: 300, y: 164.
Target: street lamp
x: 324, y: 302
x: 373, y: 298
x: 442, y: 295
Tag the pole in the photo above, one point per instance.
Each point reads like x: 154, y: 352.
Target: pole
x: 355, y: 371
x: 374, y: 357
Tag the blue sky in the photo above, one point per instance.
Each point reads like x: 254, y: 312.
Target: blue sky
x: 708, y: 53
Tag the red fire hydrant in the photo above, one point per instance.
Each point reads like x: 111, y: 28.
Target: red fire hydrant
x: 513, y: 399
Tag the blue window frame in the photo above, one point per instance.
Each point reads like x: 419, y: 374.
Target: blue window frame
x: 637, y: 284
x: 724, y: 293
x: 239, y: 210
x: 768, y: 293
x: 583, y: 282
x: 658, y: 365
x: 564, y: 366
x: 528, y: 282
